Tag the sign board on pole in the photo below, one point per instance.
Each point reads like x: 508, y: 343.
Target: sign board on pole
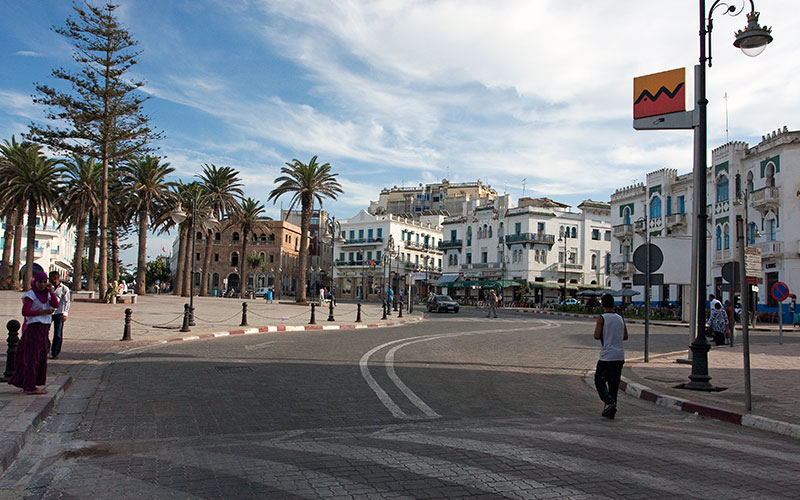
x: 752, y: 265
x: 780, y: 291
x: 659, y: 101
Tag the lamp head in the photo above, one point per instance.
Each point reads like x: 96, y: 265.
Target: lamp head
x: 753, y: 39
x: 178, y: 215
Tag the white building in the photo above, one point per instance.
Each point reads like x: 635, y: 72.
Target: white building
x: 375, y: 250
x: 54, y: 246
x: 539, y: 246
x: 766, y: 176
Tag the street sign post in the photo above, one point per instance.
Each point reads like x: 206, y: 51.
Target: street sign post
x: 647, y: 258
x: 780, y: 292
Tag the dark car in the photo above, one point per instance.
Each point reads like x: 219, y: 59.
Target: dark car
x: 442, y: 303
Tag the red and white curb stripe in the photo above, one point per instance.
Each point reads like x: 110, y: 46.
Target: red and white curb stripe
x: 640, y: 391
x: 291, y: 328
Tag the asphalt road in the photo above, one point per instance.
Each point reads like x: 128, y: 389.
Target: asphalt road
x: 459, y: 406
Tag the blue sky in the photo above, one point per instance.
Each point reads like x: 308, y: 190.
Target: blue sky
x: 401, y: 92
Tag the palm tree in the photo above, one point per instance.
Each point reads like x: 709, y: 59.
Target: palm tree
x: 33, y: 180
x: 221, y: 186
x: 306, y: 183
x: 80, y: 196
x: 249, y: 217
x: 14, y: 211
x: 144, y: 180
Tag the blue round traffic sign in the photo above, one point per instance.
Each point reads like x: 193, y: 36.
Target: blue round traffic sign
x: 780, y: 291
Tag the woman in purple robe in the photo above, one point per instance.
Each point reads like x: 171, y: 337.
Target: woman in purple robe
x: 30, y: 364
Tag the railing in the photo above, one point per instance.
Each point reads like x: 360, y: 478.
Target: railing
x: 625, y: 267
x: 723, y: 255
x: 363, y: 241
x: 769, y: 195
x: 639, y: 226
x: 420, y: 246
x: 622, y: 230
x: 570, y: 266
x: 676, y: 219
x: 547, y: 239
x: 770, y: 248
x: 450, y: 244
x: 482, y: 265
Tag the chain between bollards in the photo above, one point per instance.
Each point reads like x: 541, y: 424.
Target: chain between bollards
x: 13, y: 339
x: 358, y: 314
x: 244, y: 314
x: 126, y: 331
x: 313, y: 320
x: 330, y: 310
x: 185, y: 327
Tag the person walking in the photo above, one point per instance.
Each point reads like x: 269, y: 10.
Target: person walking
x: 30, y: 365
x: 492, y: 303
x: 611, y: 331
x: 718, y: 321
x: 62, y: 293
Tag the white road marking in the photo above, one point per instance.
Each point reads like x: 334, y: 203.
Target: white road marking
x: 259, y: 346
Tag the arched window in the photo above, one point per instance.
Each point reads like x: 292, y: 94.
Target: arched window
x: 234, y: 259
x: 669, y: 205
x: 272, y: 237
x: 594, y: 261
x: 722, y: 189
x: 655, y: 207
x: 770, y: 174
x: 738, y: 186
x: 263, y: 256
x: 719, y: 238
x: 752, y: 233
x: 626, y: 215
x: 574, y: 232
x: 500, y: 231
x: 254, y: 238
x: 469, y: 235
x: 235, y: 237
x: 199, y: 236
x: 727, y: 236
x: 490, y: 231
x: 749, y: 182
x: 263, y: 237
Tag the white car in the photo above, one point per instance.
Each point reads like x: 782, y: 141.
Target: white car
x: 262, y: 292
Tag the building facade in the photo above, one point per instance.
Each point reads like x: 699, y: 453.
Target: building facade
x: 539, y: 248
x: 377, y: 252
x: 320, y: 248
x: 54, y: 246
x: 439, y: 197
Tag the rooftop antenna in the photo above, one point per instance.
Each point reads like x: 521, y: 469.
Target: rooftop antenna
x: 726, y: 116
x: 524, y: 180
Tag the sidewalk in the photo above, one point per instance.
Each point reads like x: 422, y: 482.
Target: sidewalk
x: 94, y: 331
x: 774, y: 377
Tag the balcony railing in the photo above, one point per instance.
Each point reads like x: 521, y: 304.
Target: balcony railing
x: 547, y: 239
x: 770, y: 248
x: 481, y: 265
x: 765, y: 197
x: 625, y: 267
x: 363, y: 241
x: 723, y: 255
x: 639, y: 226
x: 676, y: 220
x: 622, y: 231
x: 569, y: 266
x: 421, y: 246
x: 450, y: 244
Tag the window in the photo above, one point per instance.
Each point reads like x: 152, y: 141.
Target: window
x: 369, y: 234
x: 669, y: 205
x: 772, y: 230
x: 469, y: 258
x: 727, y: 238
x: 378, y: 255
x: 752, y: 233
x: 360, y: 234
x: 655, y: 207
x: 719, y: 238
x: 770, y: 175
x: 216, y: 257
x: 234, y: 259
x: 595, y: 234
x: 484, y: 257
x: 352, y: 235
x: 574, y: 232
x: 626, y: 215
x: 235, y: 236
x: 469, y: 235
x: 490, y: 231
x: 540, y: 227
x: 681, y: 204
x: 722, y: 189
x: 453, y: 234
x: 738, y: 186
x: 369, y: 256
x: 350, y: 256
x: 594, y: 261
x: 607, y: 236
x: 749, y: 182
x: 217, y: 236
x: 380, y: 232
x: 517, y: 227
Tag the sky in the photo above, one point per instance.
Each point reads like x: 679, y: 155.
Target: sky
x: 533, y: 97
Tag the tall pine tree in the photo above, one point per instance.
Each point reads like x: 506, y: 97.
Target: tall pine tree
x: 100, y: 116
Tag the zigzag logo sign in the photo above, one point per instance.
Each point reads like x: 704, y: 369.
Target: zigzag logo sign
x: 659, y: 93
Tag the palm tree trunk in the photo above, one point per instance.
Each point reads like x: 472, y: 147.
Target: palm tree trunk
x: 29, y: 255
x: 187, y: 262
x: 243, y: 264
x: 115, y: 261
x: 206, y: 266
x: 77, y: 261
x: 8, y: 245
x: 103, y: 257
x: 15, y: 260
x: 141, y: 262
x: 305, y: 225
x: 177, y: 286
x: 92, y: 254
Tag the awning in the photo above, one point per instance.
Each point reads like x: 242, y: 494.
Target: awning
x: 63, y: 265
x: 543, y: 284
x: 445, y: 279
x: 485, y: 283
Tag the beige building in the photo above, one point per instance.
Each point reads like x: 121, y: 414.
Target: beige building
x: 426, y: 198
x: 54, y: 247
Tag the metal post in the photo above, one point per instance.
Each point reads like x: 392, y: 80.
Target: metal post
x: 126, y: 331
x: 646, y: 285
x: 244, y: 314
x: 330, y: 309
x: 191, y: 282
x: 185, y: 327
x: 400, y: 309
x: 744, y: 288
x: 384, y: 309
x: 13, y: 339
x: 780, y: 322
x: 313, y: 320
x: 358, y: 313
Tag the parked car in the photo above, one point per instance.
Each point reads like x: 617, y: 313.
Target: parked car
x: 262, y: 292
x: 569, y: 301
x: 442, y: 303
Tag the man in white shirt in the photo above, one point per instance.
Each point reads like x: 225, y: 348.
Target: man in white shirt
x: 611, y: 331
x: 61, y: 292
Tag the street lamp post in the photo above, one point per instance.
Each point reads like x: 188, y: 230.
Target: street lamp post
x: 752, y: 40
x: 209, y: 222
x: 334, y: 228
x: 564, y: 236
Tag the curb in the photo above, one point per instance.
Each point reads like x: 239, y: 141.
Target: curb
x: 39, y: 408
x: 645, y: 393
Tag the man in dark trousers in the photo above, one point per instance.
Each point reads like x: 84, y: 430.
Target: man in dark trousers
x: 610, y: 330
x: 61, y: 292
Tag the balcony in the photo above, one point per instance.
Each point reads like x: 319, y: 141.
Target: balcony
x: 676, y: 220
x: 622, y: 231
x: 723, y: 255
x: 765, y: 198
x: 639, y: 226
x: 481, y: 266
x: 625, y: 267
x: 569, y: 266
x: 546, y: 239
x: 770, y: 248
x: 450, y: 244
x: 421, y: 246
x: 362, y: 241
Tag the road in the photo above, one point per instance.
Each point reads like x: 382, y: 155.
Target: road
x: 459, y: 406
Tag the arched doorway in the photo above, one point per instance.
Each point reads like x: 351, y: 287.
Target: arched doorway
x: 234, y: 282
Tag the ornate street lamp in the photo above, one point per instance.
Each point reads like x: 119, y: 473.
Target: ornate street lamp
x: 208, y: 222
x: 564, y: 236
x: 334, y: 229
x: 752, y: 40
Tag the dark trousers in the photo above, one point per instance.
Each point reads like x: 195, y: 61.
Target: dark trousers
x: 58, y: 334
x: 606, y: 379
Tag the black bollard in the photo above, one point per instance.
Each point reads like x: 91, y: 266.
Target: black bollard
x: 191, y: 316
x: 358, y: 314
x: 394, y: 303
x: 384, y: 310
x: 185, y: 327
x: 400, y: 309
x: 126, y: 331
x: 330, y: 310
x: 244, y: 314
x: 13, y: 339
x: 388, y: 308
x: 313, y: 320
